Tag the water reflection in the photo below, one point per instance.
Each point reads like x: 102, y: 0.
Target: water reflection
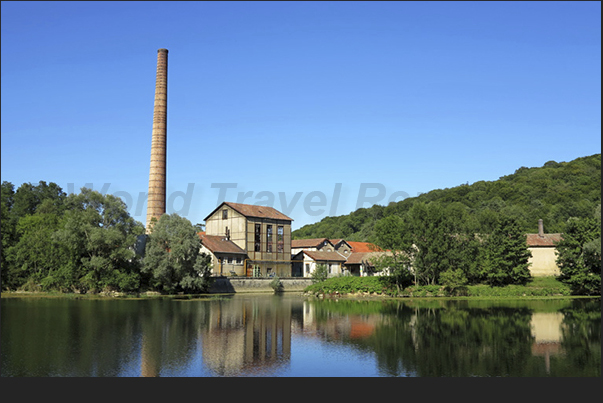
x: 248, y: 335
x: 289, y: 336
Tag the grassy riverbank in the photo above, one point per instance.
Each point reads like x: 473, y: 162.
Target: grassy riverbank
x: 537, y: 287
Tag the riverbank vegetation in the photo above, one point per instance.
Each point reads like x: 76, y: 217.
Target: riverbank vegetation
x: 88, y: 243
x: 451, y: 241
x: 383, y: 286
x: 472, y: 235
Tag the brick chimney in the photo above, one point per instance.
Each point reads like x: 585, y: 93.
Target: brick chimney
x: 540, y: 229
x: 157, y: 174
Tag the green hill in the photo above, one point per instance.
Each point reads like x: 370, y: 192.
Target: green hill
x: 554, y: 192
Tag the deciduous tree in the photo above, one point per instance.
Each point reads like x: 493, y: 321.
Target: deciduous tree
x: 579, y: 255
x: 505, y: 254
x: 172, y: 259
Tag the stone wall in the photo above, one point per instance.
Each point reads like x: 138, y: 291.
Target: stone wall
x: 246, y: 284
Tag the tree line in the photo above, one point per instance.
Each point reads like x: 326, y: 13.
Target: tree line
x: 438, y: 244
x: 554, y: 193
x: 88, y: 242
x: 475, y: 234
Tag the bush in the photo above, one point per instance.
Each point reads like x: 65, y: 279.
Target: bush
x: 320, y: 274
x: 454, y: 282
x: 276, y: 284
x: 351, y: 284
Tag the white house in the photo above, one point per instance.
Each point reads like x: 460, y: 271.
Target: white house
x: 305, y: 262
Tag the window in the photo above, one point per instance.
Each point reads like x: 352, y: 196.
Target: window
x: 308, y: 268
x: 280, y: 243
x: 239, y: 260
x: 268, y: 238
x: 258, y: 237
x: 224, y: 214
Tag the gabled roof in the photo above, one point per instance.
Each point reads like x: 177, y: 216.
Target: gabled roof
x: 363, y: 247
x: 308, y: 243
x: 323, y: 256
x: 336, y: 242
x: 364, y: 257
x: 250, y: 210
x: 219, y: 244
x: 545, y: 240
x: 356, y: 257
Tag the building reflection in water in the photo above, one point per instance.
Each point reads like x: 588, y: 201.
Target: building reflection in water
x: 248, y: 336
x: 546, y: 330
x: 252, y: 336
x: 338, y: 326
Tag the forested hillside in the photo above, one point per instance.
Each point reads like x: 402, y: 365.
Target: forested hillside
x: 554, y: 192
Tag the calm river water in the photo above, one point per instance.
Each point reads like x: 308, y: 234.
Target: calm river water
x: 287, y: 335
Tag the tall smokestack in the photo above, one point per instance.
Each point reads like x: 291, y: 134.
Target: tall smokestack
x: 157, y: 174
x: 540, y: 228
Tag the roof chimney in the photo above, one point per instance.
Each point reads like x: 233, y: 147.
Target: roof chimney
x: 540, y: 229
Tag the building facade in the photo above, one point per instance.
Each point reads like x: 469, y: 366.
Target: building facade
x: 228, y: 258
x: 543, y: 261
x: 262, y: 232
x: 305, y: 263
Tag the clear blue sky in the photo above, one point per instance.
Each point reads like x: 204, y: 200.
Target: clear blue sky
x: 294, y: 98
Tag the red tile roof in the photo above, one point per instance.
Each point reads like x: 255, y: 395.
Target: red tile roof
x: 546, y: 240
x: 249, y: 210
x: 219, y: 244
x: 363, y: 247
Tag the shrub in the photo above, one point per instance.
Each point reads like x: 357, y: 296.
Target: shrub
x: 320, y: 274
x: 276, y: 284
x: 350, y: 284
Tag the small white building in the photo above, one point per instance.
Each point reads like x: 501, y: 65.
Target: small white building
x: 305, y: 263
x: 543, y: 246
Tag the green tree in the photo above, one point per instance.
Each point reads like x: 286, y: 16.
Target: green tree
x: 29, y: 197
x: 7, y: 227
x: 100, y: 236
x: 172, y: 260
x: 320, y: 273
x: 454, y: 282
x: 432, y: 237
x: 392, y: 234
x: 505, y: 254
x: 397, y: 267
x: 579, y: 255
x: 16, y: 205
x: 37, y: 256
